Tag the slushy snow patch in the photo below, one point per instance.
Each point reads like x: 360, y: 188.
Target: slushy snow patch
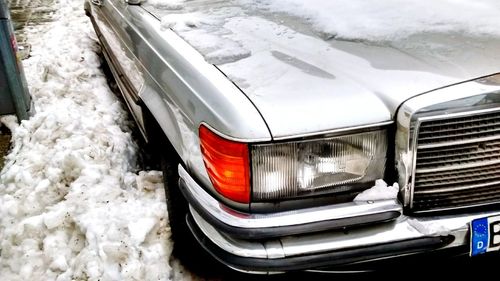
x: 181, y: 22
x: 380, y: 191
x: 72, y: 206
x: 429, y: 229
x: 207, y: 35
x: 389, y: 20
x: 216, y: 48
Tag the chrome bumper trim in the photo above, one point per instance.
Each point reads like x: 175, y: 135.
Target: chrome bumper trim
x: 351, y: 256
x: 403, y: 229
x: 240, y: 248
x: 238, y: 219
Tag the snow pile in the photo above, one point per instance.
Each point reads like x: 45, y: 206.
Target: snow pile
x: 167, y: 4
x: 379, y: 192
x: 71, y: 207
x: 388, y: 20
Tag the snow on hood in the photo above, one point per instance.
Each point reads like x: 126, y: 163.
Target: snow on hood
x: 352, y: 20
x: 72, y: 206
x: 206, y: 34
x: 166, y: 4
x: 390, y: 20
x: 306, y: 65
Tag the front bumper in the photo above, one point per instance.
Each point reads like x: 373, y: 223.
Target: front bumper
x: 317, y: 237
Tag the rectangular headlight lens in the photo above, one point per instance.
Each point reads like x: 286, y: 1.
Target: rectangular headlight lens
x: 334, y: 164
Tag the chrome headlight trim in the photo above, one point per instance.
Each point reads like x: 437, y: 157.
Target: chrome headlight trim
x: 374, y: 137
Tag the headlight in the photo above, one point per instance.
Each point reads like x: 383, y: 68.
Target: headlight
x: 331, y: 165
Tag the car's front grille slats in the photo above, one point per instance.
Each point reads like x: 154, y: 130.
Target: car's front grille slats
x: 459, y: 152
x: 458, y: 166
x: 464, y: 135
x: 463, y: 186
x: 458, y: 176
x: 486, y: 154
x: 457, y: 162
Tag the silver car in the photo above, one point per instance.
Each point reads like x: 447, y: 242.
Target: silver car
x: 276, y: 137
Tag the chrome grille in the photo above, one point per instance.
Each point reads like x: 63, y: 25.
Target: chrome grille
x: 457, y: 162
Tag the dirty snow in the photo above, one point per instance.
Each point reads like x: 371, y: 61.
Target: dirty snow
x: 380, y: 191
x: 72, y: 205
x: 390, y: 20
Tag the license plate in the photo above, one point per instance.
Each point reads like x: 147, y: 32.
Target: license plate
x: 485, y: 235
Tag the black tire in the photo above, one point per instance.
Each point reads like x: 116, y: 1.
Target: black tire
x: 186, y: 248
x: 177, y: 205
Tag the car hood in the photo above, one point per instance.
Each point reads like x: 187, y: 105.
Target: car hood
x: 304, y: 83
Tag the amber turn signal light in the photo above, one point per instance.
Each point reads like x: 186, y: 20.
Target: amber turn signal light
x: 228, y: 166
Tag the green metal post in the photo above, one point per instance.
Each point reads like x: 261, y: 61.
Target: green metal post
x: 12, y: 66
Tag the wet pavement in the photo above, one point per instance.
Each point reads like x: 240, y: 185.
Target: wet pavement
x: 27, y: 13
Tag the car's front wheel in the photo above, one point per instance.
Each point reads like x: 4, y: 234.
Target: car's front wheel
x: 186, y: 248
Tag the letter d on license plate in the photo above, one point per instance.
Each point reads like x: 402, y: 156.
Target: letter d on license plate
x: 485, y: 235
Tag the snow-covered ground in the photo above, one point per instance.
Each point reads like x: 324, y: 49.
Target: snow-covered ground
x: 72, y: 204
